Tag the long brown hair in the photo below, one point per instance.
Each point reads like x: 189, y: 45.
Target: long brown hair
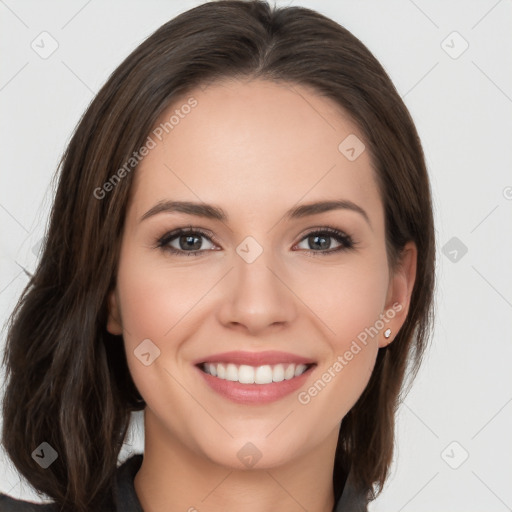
x: 68, y: 382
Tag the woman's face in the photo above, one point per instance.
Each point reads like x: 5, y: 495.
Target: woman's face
x: 262, y: 291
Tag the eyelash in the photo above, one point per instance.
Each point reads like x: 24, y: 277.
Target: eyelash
x: 346, y: 241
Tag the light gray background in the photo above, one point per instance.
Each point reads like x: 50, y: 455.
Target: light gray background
x: 462, y: 106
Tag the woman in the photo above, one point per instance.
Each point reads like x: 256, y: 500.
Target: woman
x: 241, y: 245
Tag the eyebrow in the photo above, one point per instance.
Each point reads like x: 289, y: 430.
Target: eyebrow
x: 211, y: 211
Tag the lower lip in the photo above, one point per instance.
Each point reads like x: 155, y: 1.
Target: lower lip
x: 254, y: 393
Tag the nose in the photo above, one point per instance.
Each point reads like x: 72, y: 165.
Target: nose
x: 257, y: 296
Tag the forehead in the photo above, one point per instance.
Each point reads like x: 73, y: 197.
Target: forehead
x: 254, y: 142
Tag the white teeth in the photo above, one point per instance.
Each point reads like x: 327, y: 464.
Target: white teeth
x: 263, y: 375
x: 278, y: 373
x: 231, y: 372
x: 246, y: 374
x: 221, y: 371
x: 289, y: 373
x: 301, y: 368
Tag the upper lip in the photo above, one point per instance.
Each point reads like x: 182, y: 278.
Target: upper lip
x: 269, y: 357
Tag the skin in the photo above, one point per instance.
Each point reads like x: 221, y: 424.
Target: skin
x: 256, y: 149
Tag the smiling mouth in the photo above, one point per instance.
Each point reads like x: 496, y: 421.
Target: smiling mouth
x: 245, y: 374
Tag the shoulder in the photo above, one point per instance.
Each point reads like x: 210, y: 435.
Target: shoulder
x: 8, y: 504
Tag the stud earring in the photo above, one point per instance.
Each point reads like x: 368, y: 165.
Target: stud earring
x: 387, y: 333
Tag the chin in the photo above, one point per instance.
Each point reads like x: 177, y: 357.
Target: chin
x: 257, y: 452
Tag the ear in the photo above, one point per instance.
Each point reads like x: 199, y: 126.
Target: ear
x: 114, y: 324
x: 399, y: 293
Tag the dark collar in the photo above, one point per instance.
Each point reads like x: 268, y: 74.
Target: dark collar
x: 352, y: 499
x: 126, y: 499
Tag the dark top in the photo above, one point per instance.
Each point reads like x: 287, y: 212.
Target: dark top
x: 125, y: 499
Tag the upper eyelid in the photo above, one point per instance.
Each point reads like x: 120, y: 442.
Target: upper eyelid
x: 184, y: 231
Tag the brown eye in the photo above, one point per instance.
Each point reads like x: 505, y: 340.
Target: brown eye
x: 321, y: 241
x: 183, y: 242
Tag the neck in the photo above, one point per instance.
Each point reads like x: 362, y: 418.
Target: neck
x: 175, y: 478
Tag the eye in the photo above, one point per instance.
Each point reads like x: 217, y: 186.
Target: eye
x: 185, y: 242
x: 188, y: 241
x: 319, y: 241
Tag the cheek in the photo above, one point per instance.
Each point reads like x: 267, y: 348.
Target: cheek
x: 347, y: 299
x: 351, y: 311
x: 154, y: 298
x: 160, y: 301
x: 350, y: 305
x: 154, y: 307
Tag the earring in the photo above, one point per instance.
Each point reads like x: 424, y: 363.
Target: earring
x: 387, y: 333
